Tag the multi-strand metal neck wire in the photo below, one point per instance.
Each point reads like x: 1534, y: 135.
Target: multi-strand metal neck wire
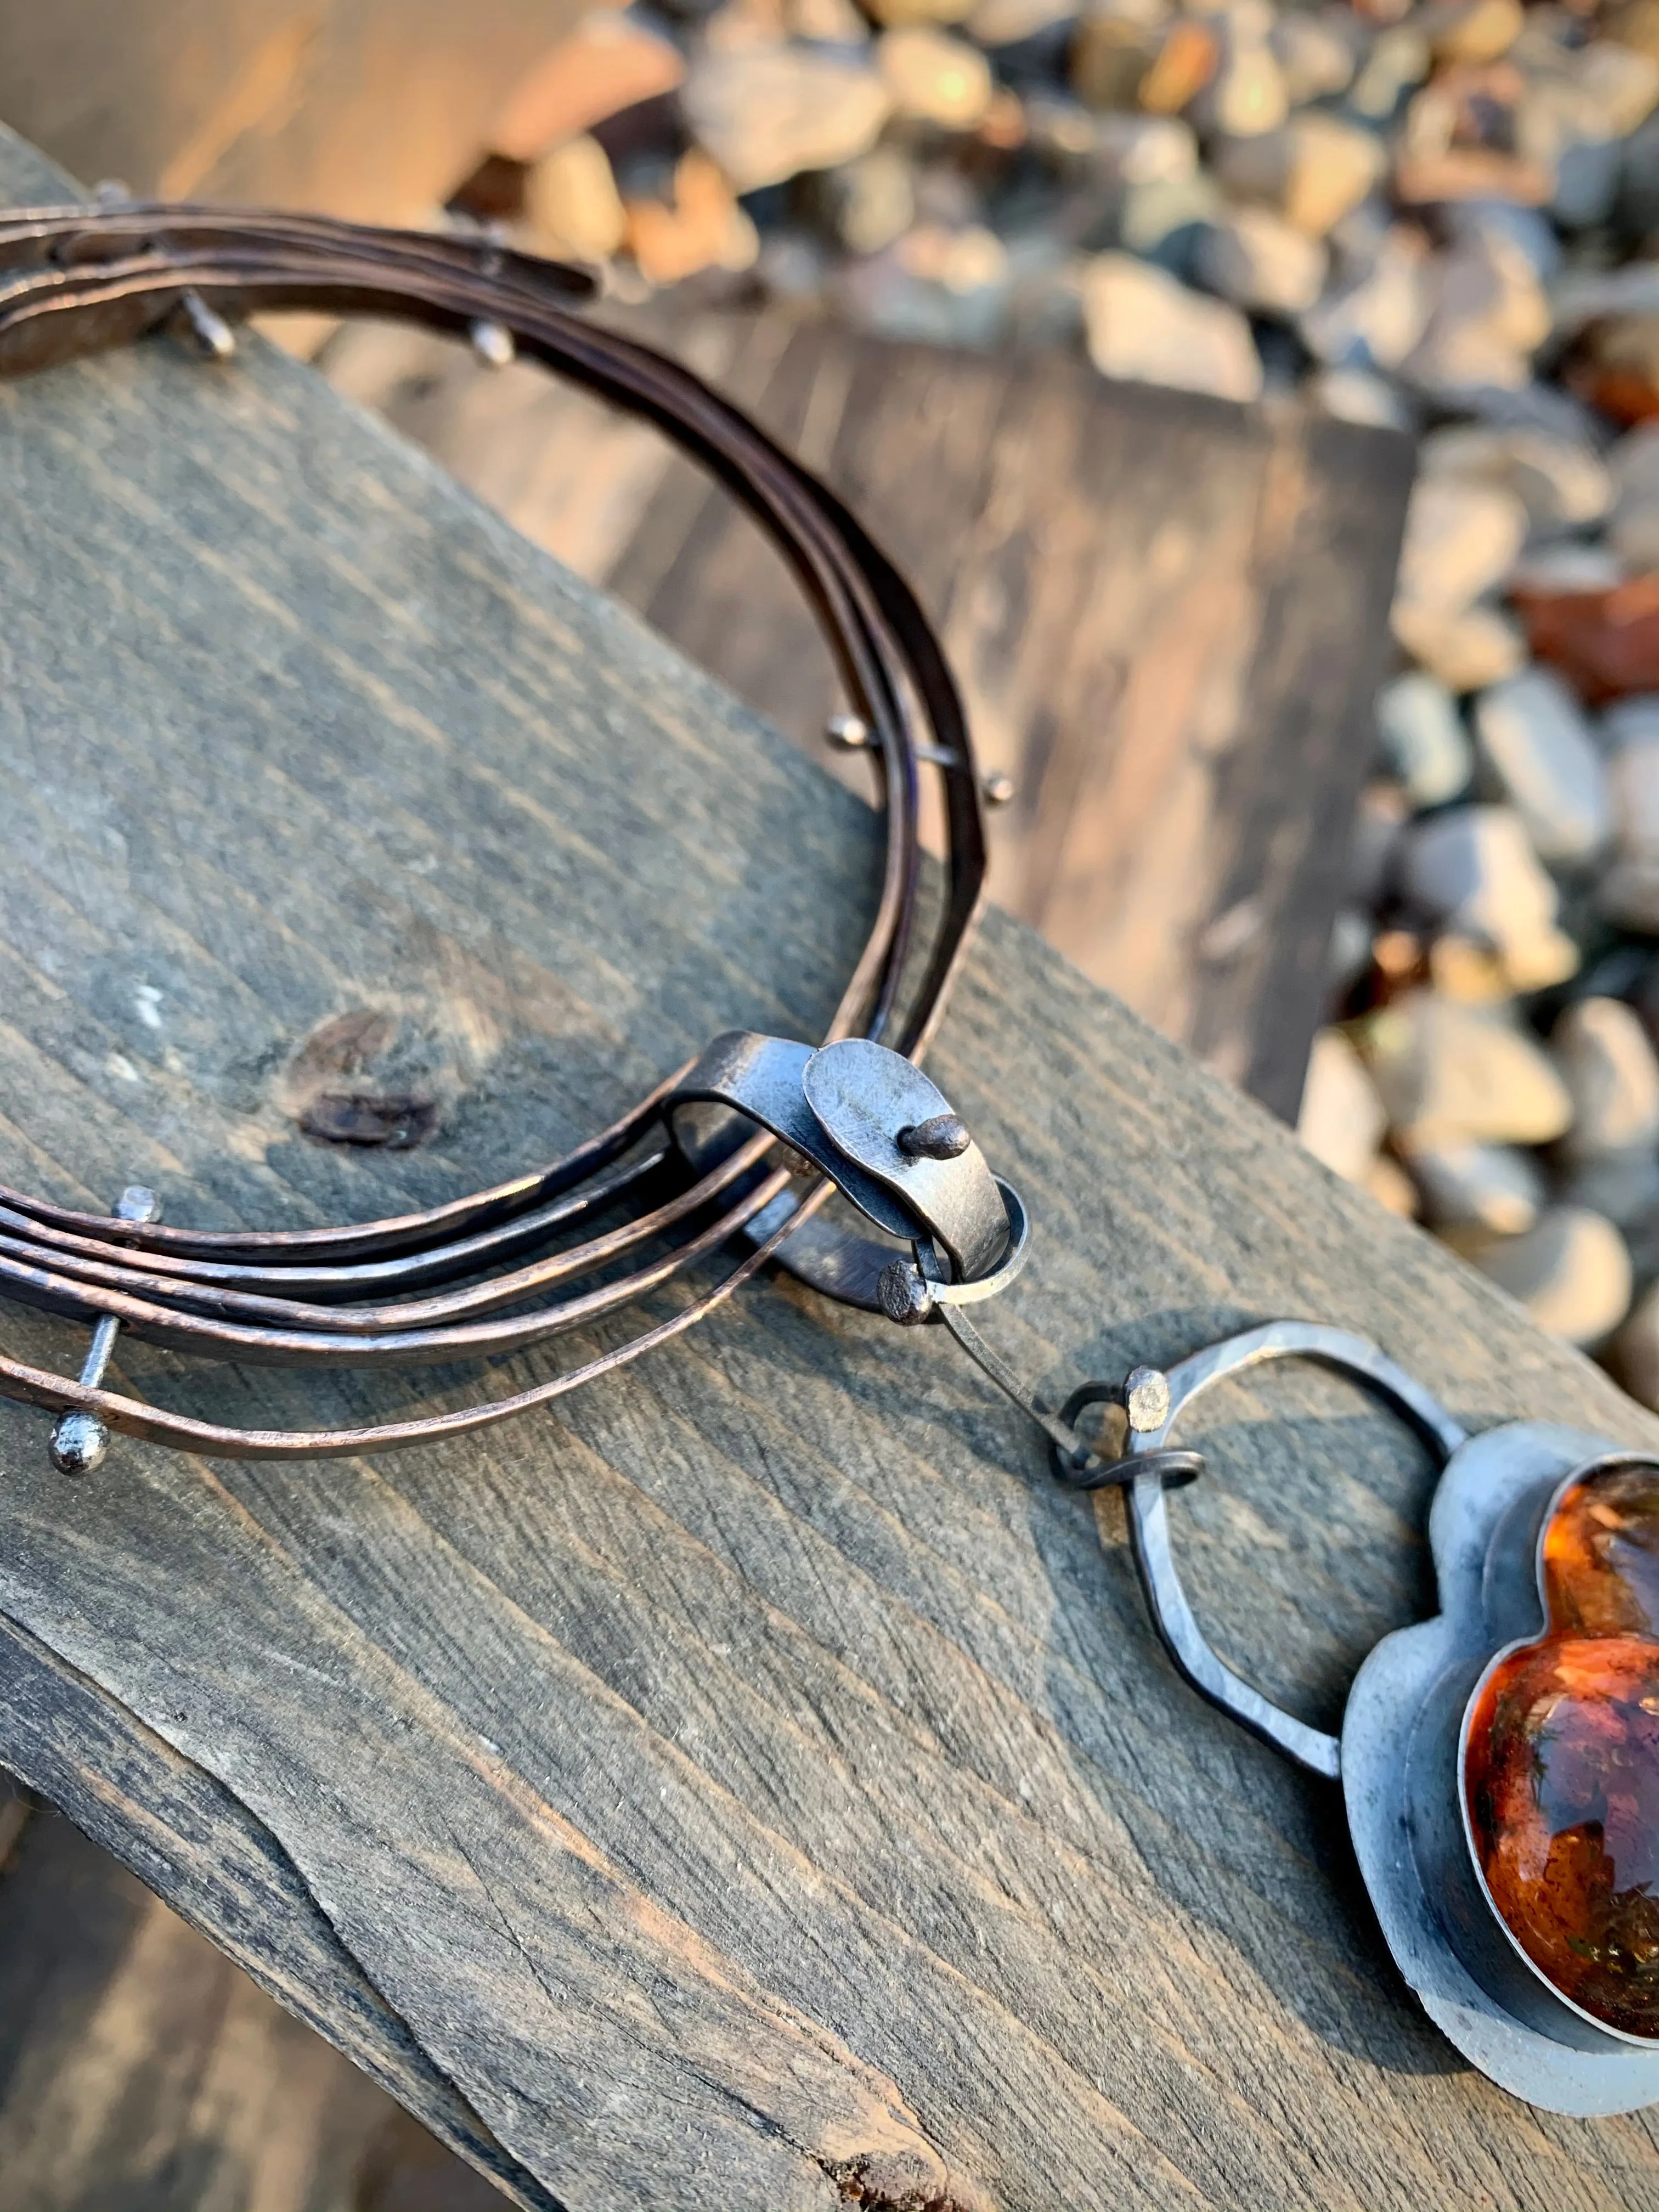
x: 78, y: 281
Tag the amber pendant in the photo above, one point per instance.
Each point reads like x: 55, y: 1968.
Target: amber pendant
x: 1511, y: 1746
x: 1500, y: 1762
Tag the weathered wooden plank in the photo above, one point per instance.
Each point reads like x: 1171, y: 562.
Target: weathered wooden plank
x: 359, y: 108
x: 1169, y: 616
x: 754, y: 1785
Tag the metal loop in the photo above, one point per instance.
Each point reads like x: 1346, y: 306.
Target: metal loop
x: 1189, y: 1649
x: 1174, y: 1467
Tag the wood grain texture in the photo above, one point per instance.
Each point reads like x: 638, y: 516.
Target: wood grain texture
x: 754, y: 1786
x: 1169, y: 614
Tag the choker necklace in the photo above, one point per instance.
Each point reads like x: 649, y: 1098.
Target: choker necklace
x: 1499, y: 1763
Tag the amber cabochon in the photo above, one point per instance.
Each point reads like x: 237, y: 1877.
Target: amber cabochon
x: 1561, y: 1758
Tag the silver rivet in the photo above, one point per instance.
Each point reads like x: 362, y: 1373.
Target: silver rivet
x: 942, y: 1138
x: 493, y: 344
x: 905, y: 1298
x: 209, y: 332
x: 79, y: 1439
x: 1147, y: 1400
x: 849, y: 731
x: 998, y: 787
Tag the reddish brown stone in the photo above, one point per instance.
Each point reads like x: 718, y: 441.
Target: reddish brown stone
x: 1561, y: 1776
x: 1614, y: 365
x: 1607, y: 643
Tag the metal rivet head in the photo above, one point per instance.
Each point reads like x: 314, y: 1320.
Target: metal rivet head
x: 1147, y: 1400
x: 905, y: 1298
x: 998, y: 787
x: 210, y: 333
x: 79, y: 1444
x: 942, y: 1138
x: 848, y: 732
x: 493, y: 344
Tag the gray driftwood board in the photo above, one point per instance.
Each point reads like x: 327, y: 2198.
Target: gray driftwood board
x: 755, y: 1786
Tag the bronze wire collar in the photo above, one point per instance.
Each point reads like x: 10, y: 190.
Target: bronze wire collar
x: 78, y: 281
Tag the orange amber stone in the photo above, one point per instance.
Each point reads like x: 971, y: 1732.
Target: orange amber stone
x: 1561, y: 1775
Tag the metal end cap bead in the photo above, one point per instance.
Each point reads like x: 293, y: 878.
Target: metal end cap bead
x: 905, y: 1298
x: 80, y: 1443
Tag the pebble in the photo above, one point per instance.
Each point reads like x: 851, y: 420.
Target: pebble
x: 1465, y: 1185
x: 1460, y: 539
x: 1467, y: 651
x: 1473, y: 869
x: 1490, y: 316
x: 1472, y: 30
x: 1447, y: 1072
x: 1315, y: 171
x: 1566, y: 567
x: 1562, y: 482
x: 1259, y: 261
x: 1356, y: 395
x: 1165, y: 221
x: 1572, y: 1271
x: 1602, y: 1052
x: 572, y: 203
x: 1187, y: 61
x: 1398, y: 59
x: 1634, y: 467
x: 1535, y: 744
x: 1374, y: 317
x: 1629, y: 892
x: 1342, y: 1118
x: 1248, y: 95
x: 872, y: 201
x: 932, y: 77
x: 1111, y: 57
x: 1423, y: 740
x: 1629, y: 721
x: 895, y: 13
x: 1623, y: 1186
x: 1619, y: 84
x: 1317, y: 55
x: 1607, y: 643
x: 1010, y: 22
x: 768, y: 114
x: 1143, y: 326
x: 703, y: 229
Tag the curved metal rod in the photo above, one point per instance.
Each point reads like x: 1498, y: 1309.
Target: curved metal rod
x: 1189, y: 1649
